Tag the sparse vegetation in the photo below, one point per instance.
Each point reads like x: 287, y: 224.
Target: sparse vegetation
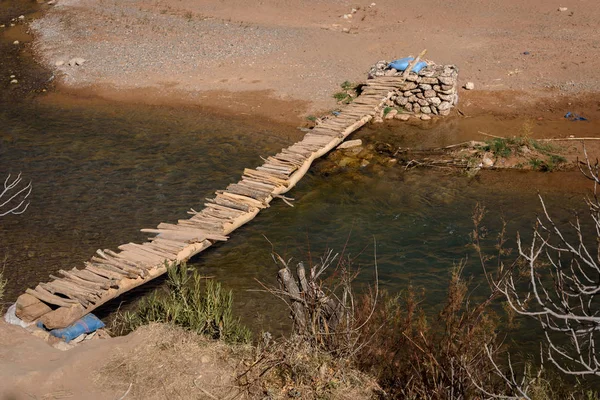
x: 190, y: 301
x: 348, y: 93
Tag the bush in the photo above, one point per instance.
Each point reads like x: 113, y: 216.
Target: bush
x: 193, y: 302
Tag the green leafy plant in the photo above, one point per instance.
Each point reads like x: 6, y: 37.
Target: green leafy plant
x: 536, y: 163
x: 193, y: 302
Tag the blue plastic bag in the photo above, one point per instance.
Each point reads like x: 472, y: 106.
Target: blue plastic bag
x: 574, y: 117
x: 87, y: 324
x: 402, y: 63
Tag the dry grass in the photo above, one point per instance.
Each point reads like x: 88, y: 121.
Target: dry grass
x: 295, y: 368
x: 169, y: 362
x: 163, y: 361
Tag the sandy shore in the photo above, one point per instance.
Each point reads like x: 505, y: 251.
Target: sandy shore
x: 300, y: 51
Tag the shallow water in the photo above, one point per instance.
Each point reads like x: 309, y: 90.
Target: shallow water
x: 102, y: 171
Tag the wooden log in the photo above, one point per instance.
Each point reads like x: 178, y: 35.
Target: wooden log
x: 90, y: 276
x: 233, y: 212
x: 47, y: 297
x: 265, y: 175
x: 144, y: 253
x: 29, y: 308
x: 83, y: 282
x: 171, y: 227
x: 248, y: 192
x: 226, y: 202
x: 413, y: 63
x: 104, y: 272
x: 288, y: 284
x: 120, y: 264
x: 109, y: 255
x: 244, y: 199
x: 187, y: 234
x: 70, y: 289
x: 53, y: 289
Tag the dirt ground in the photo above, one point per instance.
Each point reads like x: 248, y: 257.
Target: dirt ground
x: 520, y: 55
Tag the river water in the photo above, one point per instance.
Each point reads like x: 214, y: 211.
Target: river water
x: 101, y: 171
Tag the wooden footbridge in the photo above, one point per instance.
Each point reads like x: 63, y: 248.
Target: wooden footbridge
x: 74, y: 293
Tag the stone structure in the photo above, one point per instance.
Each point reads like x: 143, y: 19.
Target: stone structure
x: 432, y: 91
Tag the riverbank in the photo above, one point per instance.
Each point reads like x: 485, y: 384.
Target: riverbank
x: 284, y: 60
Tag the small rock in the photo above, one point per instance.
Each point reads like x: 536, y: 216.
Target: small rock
x: 21, y: 17
x: 350, y: 143
x: 364, y: 163
x: 378, y: 120
x: 14, y: 81
x: 445, y: 105
x: 401, y: 101
x: 425, y: 117
x: 425, y: 86
x: 59, y: 63
x: 13, y: 76
x: 402, y: 117
x: 469, y: 86
x: 2, y: 26
x: 12, y: 24
x: 390, y: 72
x: 372, y: 5
x: 423, y: 102
x: 62, y: 346
x: 445, y: 80
x: 426, y: 110
x: 408, y: 107
x: 436, y: 101
x: 77, y: 61
x: 16, y: 42
x: 78, y: 338
x: 429, y: 81
x: 430, y: 93
x: 445, y: 112
x: 487, y: 160
x: 562, y: 9
x: 391, y: 114
x: 51, y: 2
x: 416, y: 108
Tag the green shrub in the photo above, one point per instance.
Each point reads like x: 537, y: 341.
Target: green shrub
x: 193, y: 302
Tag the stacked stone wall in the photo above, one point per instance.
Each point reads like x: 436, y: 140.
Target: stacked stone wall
x: 431, y: 91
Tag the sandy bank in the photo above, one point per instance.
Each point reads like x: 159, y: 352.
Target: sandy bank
x: 300, y: 51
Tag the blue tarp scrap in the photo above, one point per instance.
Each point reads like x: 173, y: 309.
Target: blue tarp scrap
x: 402, y: 63
x: 88, y: 324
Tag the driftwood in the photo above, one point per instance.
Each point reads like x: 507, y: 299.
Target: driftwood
x: 313, y: 311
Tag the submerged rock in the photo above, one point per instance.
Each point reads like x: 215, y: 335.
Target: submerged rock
x: 350, y: 143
